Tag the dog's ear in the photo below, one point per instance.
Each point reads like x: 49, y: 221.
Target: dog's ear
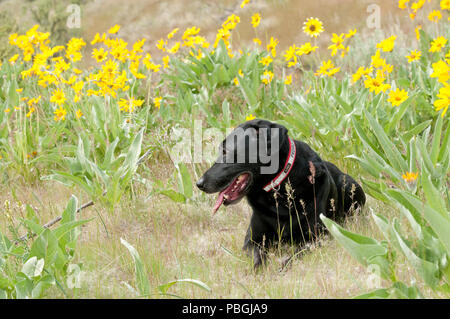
x: 274, y: 134
x: 278, y: 134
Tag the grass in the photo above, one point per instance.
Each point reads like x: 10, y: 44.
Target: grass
x: 178, y: 241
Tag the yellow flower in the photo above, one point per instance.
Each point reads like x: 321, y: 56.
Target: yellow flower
x: 445, y: 5
x: 7, y: 110
x: 99, y: 55
x: 240, y: 73
x: 288, y: 80
x: 377, y: 61
x: 129, y: 105
x: 98, y: 39
x: 313, y: 27
x: 338, y: 41
x: 166, y: 61
x: 360, y: 73
x: 350, y: 33
x: 114, y: 29
x: 78, y: 86
x: 174, y: 48
x: 244, y: 3
x: 58, y: 97
x: 306, y: 49
x: 437, y: 44
x: 327, y: 68
x: 31, y: 111
x: 266, y: 61
x: 387, y: 45
x: 250, y: 117
x: 19, y: 90
x: 149, y: 64
x: 60, y: 114
x: 376, y: 84
x: 271, y: 47
x: 402, y: 4
x: 73, y: 47
x: 397, y: 97
x: 78, y: 114
x: 414, y: 56
x: 410, y: 177
x: 257, y: 41
x: 13, y: 59
x: 256, y: 19
x: 172, y: 33
x: 419, y: 27
x: 34, y: 101
x: 289, y: 55
x: 444, y: 99
x: 441, y: 71
x: 161, y: 45
x: 157, y: 101
x: 267, y: 77
x: 236, y: 81
x: 435, y: 16
x: 417, y: 5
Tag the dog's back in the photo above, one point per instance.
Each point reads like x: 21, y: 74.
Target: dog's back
x: 351, y: 195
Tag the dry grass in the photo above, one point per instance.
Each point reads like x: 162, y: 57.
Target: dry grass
x: 179, y: 241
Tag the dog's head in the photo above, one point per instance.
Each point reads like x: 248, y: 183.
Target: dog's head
x: 248, y: 157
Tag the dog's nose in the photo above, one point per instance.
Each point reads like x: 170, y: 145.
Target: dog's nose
x: 201, y: 183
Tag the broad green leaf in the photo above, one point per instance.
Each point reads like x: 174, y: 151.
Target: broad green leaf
x: 434, y: 198
x: 393, y: 156
x: 33, y: 267
x: 45, y: 246
x: 43, y: 284
x: 364, y: 249
x: 185, y: 180
x: 439, y: 223
x: 427, y: 270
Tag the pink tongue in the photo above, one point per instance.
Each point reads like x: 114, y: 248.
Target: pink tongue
x: 219, y: 202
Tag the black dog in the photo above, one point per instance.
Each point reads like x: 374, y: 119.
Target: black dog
x: 287, y: 189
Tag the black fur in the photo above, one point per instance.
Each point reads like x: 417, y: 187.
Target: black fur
x: 290, y: 213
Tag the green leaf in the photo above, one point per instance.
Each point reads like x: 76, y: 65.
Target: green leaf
x: 427, y: 270
x: 163, y: 288
x: 173, y: 195
x: 45, y: 246
x: 439, y: 223
x: 434, y: 198
x: 43, y: 284
x: 392, y: 155
x: 23, y: 287
x: 364, y: 249
x: 33, y: 267
x: 398, y: 115
x: 436, y: 140
x: 185, y: 180
x: 141, y: 276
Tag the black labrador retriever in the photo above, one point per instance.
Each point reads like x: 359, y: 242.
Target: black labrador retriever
x: 286, y: 184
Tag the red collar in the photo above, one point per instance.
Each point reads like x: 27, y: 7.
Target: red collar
x: 286, y: 169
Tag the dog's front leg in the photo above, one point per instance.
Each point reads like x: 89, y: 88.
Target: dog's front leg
x: 254, y: 240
